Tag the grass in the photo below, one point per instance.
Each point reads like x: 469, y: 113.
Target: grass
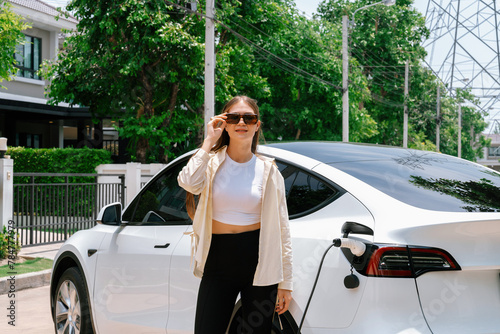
x: 28, y: 266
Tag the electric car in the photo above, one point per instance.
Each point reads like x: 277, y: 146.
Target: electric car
x: 385, y: 240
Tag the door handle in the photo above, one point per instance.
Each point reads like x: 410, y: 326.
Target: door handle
x: 162, y: 246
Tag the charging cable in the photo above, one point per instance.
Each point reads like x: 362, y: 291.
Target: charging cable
x: 357, y: 248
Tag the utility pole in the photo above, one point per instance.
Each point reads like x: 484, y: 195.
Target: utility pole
x: 345, y: 79
x: 459, y: 129
x: 209, y: 62
x: 345, y: 66
x: 405, y: 118
x: 438, y: 119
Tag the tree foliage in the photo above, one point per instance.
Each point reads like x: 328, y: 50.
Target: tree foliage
x: 11, y: 27
x: 382, y: 39
x: 142, y: 61
x: 133, y: 60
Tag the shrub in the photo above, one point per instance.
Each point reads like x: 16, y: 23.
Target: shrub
x: 56, y: 160
x: 9, y: 243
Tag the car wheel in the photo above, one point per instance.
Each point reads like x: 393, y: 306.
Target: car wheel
x: 284, y: 324
x: 72, y: 313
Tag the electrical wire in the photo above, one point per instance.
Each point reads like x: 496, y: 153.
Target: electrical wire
x: 278, y: 61
x: 380, y: 78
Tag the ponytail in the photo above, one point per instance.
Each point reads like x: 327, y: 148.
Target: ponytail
x: 190, y: 205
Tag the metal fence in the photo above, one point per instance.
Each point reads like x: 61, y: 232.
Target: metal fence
x: 50, y: 207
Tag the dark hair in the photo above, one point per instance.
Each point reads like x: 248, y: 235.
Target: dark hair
x: 224, y: 141
x: 224, y: 138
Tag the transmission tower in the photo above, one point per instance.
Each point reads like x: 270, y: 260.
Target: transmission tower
x: 463, y: 48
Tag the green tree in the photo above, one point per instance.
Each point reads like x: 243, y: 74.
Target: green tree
x: 11, y: 27
x: 134, y: 60
x: 142, y: 61
x: 301, y: 62
x: 382, y: 40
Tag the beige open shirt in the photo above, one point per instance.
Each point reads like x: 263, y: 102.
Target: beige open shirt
x: 275, y: 248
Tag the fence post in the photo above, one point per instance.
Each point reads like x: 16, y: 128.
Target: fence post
x: 122, y: 190
x: 132, y: 180
x: 6, y: 191
x: 32, y: 210
x: 66, y: 210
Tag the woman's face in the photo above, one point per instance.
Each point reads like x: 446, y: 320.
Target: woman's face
x: 241, y: 130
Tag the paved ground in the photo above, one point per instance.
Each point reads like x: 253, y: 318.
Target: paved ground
x: 46, y: 251
x: 32, y: 306
x: 32, y: 312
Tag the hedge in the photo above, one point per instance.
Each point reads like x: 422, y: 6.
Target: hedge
x: 57, y: 160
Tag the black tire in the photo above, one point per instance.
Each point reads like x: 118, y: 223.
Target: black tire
x: 284, y: 325
x: 71, y: 307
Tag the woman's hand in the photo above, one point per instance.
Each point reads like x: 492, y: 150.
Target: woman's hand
x: 214, y: 131
x: 284, y: 300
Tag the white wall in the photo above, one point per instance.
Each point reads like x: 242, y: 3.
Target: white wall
x: 135, y: 175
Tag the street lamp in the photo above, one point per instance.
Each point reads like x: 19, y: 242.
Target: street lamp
x: 345, y: 66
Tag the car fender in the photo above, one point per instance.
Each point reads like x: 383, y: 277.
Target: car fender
x: 78, y: 251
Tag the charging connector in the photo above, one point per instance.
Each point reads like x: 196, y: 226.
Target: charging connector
x: 357, y: 247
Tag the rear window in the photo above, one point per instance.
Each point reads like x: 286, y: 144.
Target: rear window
x: 424, y: 179
x: 431, y: 181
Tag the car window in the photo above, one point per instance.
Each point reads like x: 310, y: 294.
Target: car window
x: 432, y: 181
x: 423, y: 179
x: 161, y: 202
x: 305, y: 193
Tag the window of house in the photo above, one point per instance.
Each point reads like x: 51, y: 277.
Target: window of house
x: 494, y: 151
x: 28, y: 57
x: 28, y: 140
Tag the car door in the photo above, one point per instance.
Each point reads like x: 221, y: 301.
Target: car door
x: 318, y: 208
x: 133, y: 266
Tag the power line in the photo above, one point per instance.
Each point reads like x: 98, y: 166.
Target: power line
x: 284, y: 64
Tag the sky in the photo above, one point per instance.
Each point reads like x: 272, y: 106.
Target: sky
x: 309, y: 6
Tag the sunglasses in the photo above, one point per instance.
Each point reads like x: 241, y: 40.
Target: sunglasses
x: 249, y: 119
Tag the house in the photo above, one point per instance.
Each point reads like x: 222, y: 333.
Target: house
x: 25, y: 117
x: 491, y: 155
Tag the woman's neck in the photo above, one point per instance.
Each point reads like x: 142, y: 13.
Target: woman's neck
x: 240, y: 153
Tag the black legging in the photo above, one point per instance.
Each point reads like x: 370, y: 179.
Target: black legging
x: 229, y: 270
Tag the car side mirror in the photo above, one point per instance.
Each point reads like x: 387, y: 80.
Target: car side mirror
x: 111, y: 214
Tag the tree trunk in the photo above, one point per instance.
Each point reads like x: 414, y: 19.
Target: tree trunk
x: 143, y: 143
x: 141, y: 150
x: 163, y: 155
x: 200, y: 135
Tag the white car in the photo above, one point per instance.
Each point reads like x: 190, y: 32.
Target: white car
x: 420, y: 237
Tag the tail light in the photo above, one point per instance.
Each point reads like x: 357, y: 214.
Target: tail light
x: 402, y: 261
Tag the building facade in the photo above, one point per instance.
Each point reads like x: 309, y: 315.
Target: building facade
x: 491, y: 155
x: 26, y: 118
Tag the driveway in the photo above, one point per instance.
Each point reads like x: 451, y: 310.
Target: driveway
x: 32, y: 312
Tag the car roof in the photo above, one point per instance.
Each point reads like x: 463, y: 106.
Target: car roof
x: 339, y: 152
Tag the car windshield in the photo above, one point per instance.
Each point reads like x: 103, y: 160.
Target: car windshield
x: 423, y: 179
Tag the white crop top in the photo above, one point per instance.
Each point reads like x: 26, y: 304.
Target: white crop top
x: 237, y: 192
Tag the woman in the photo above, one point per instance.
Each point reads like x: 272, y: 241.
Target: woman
x: 240, y: 228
